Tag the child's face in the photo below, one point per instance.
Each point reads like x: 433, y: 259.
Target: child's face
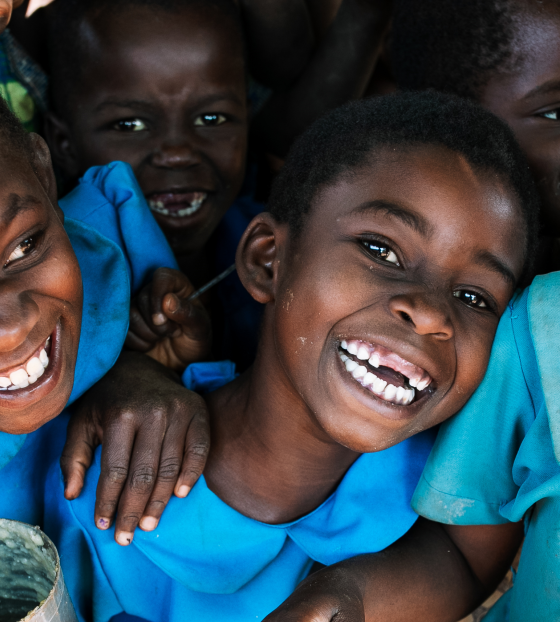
x: 166, y: 93
x: 398, y: 278
x: 528, y: 99
x: 40, y: 298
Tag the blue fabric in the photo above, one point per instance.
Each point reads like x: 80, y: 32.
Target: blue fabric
x: 109, y: 198
x: 497, y: 460
x: 206, y: 561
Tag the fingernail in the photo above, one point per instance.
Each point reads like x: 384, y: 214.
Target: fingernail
x: 158, y: 319
x: 103, y: 523
x: 183, y: 490
x: 173, y: 303
x: 124, y: 538
x: 148, y: 523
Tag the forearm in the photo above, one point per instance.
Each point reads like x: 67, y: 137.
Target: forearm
x: 279, y: 38
x: 338, y: 72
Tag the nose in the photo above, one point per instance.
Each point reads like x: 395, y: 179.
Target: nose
x: 427, y: 314
x: 19, y: 314
x: 176, y: 156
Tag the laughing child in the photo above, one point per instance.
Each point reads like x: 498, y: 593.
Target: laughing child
x: 64, y: 312
x: 396, y: 235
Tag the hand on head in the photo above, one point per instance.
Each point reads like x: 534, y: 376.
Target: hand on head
x: 166, y: 325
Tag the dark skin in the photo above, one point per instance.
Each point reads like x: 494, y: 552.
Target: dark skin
x: 527, y: 98
x: 337, y: 280
x: 165, y: 92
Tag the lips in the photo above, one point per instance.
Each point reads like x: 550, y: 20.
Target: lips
x: 383, y: 372
x: 177, y: 204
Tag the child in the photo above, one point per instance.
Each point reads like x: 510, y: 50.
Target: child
x: 51, y: 352
x: 383, y: 280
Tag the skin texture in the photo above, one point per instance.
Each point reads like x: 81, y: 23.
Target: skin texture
x: 285, y: 432
x: 6, y: 8
x: 527, y: 98
x: 435, y: 573
x: 41, y: 291
x: 166, y: 93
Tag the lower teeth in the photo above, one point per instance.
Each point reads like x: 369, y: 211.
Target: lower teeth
x: 157, y: 206
x: 21, y: 378
x: 387, y: 392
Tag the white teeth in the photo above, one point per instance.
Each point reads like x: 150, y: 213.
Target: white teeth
x: 390, y: 392
x: 363, y: 353
x: 369, y: 379
x: 422, y: 385
x: 158, y: 206
x: 351, y: 365
x: 379, y: 385
x: 32, y: 379
x: 43, y: 357
x: 344, y: 345
x: 352, y: 348
x: 374, y: 360
x: 343, y: 358
x: 19, y: 376
x: 400, y: 394
x: 413, y: 382
x: 5, y: 382
x: 34, y: 366
x: 359, y: 372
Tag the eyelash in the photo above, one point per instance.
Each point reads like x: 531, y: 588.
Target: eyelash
x: 24, y: 248
x: 383, y: 252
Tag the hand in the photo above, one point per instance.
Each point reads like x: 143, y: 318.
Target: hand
x: 6, y: 8
x: 167, y: 327
x: 330, y: 594
x: 155, y: 436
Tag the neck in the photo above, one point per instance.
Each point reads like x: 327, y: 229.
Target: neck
x: 270, y: 459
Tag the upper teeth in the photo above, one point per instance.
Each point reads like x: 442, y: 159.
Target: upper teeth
x: 33, y: 369
x: 196, y: 203
x: 376, y: 356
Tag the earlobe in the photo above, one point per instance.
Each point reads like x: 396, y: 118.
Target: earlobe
x: 258, y: 256
x: 60, y: 144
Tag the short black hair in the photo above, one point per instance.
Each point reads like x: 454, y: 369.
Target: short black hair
x: 451, y: 45
x: 66, y: 47
x: 346, y: 138
x: 12, y: 133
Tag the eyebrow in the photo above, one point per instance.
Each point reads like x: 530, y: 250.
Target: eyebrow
x: 488, y: 260
x: 409, y: 218
x: 543, y: 89
x: 146, y: 105
x: 16, y: 205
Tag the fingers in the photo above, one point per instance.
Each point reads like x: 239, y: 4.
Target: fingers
x: 190, y: 316
x: 167, y: 281
x: 197, y: 447
x: 115, y: 459
x: 77, y: 455
x: 139, y: 337
x: 6, y: 7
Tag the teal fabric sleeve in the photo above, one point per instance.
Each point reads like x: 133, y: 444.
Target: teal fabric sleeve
x: 468, y: 477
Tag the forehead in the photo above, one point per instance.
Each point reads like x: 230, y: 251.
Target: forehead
x: 450, y: 202
x: 141, y: 46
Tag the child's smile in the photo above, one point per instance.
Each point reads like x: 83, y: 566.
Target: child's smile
x: 165, y: 92
x: 389, y: 297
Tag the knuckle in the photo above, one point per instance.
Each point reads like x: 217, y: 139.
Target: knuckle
x: 142, y: 480
x: 198, y: 450
x: 117, y: 474
x: 169, y: 470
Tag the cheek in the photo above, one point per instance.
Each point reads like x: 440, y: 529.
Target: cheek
x: 229, y: 156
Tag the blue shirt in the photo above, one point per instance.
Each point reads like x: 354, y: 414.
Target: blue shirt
x: 24, y: 459
x: 206, y: 561
x: 498, y: 460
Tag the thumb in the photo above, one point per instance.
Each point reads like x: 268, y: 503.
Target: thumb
x: 191, y: 317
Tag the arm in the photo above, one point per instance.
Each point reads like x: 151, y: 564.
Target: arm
x: 435, y: 573
x: 338, y: 72
x: 280, y: 39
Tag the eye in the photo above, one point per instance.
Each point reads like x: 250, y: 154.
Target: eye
x: 551, y: 114
x: 209, y: 120
x: 130, y: 125
x: 381, y: 251
x: 23, y: 249
x: 472, y: 299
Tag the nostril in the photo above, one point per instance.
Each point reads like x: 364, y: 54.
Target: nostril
x: 406, y: 317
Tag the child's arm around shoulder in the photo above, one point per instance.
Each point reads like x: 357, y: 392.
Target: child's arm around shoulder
x: 435, y: 573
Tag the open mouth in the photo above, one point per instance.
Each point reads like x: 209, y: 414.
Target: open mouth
x: 383, y: 372
x: 177, y: 204
x: 27, y: 373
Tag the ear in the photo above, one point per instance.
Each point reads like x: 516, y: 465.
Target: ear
x: 42, y: 165
x: 59, y: 139
x: 258, y: 256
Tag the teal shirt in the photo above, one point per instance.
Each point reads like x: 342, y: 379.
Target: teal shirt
x: 498, y: 460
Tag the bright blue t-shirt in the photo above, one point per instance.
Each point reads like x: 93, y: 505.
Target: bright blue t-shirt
x: 105, y: 266
x: 206, y: 561
x: 498, y: 460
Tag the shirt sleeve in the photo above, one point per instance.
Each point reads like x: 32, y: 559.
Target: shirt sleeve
x: 468, y: 476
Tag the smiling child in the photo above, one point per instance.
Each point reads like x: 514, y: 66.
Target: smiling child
x: 396, y: 234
